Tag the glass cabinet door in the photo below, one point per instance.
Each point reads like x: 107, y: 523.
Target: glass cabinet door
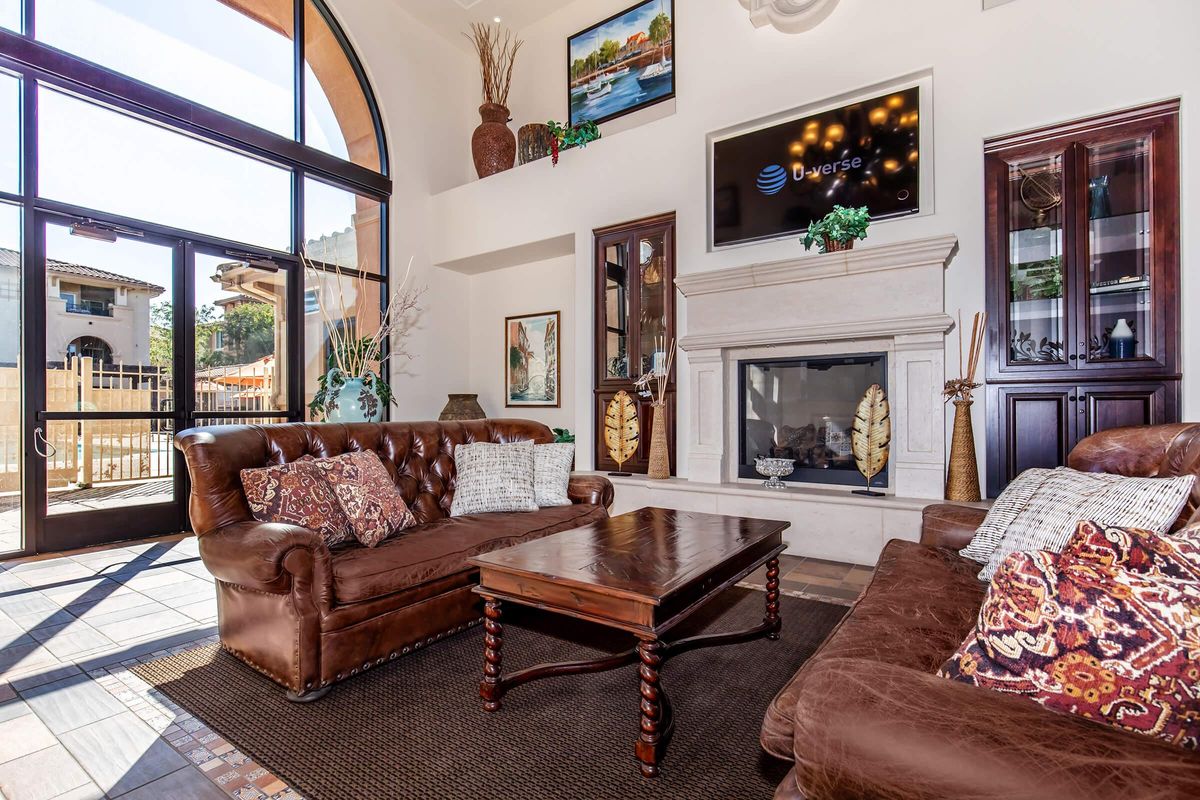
x: 616, y: 310
x: 652, y: 303
x: 1036, y: 268
x: 1119, y: 323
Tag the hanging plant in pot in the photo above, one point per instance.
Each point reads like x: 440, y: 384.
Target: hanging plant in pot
x: 353, y: 388
x: 493, y: 145
x: 838, y: 229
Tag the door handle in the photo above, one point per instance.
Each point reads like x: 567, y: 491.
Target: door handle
x: 39, y: 439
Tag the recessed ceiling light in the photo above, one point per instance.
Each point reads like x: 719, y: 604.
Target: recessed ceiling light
x: 496, y: 19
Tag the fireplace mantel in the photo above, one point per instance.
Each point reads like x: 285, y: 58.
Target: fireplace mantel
x: 935, y: 250
x: 885, y: 297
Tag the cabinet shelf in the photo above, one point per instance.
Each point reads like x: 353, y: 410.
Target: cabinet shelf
x: 1132, y: 287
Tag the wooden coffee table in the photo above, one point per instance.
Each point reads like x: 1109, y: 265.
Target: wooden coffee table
x: 643, y: 572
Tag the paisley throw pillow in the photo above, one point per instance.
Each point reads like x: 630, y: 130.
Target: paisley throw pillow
x: 297, y: 494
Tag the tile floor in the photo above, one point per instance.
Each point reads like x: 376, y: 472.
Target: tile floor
x: 76, y: 724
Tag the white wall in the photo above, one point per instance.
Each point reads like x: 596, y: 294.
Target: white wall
x: 415, y: 74
x: 527, y: 289
x: 1021, y: 65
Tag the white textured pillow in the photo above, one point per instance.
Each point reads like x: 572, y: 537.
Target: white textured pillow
x: 1010, y: 502
x: 1067, y: 496
x: 552, y: 473
x: 493, y: 477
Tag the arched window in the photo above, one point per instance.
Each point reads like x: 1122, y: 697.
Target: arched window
x: 227, y: 122
x: 91, y: 347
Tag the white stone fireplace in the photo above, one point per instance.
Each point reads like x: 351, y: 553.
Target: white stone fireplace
x: 881, y: 299
x: 888, y: 299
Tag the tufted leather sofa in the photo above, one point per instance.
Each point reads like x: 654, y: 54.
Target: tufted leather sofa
x: 308, y: 616
x: 866, y: 716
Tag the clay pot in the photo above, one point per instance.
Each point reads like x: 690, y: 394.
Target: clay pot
x: 462, y: 407
x: 493, y: 145
x: 533, y: 142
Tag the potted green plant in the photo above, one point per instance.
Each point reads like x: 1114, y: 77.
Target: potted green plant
x: 838, y: 229
x: 563, y: 137
x: 353, y: 388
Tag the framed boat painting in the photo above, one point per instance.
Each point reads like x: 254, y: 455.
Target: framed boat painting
x: 531, y: 371
x: 622, y: 64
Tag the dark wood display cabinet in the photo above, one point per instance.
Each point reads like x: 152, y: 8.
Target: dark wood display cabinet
x: 1082, y: 284
x: 634, y: 316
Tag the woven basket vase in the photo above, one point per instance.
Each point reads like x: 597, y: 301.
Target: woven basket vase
x: 962, y: 477
x: 660, y: 458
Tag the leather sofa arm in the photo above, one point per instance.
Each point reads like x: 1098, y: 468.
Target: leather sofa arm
x: 950, y: 526
x: 253, y: 554
x: 866, y: 729
x: 595, y: 490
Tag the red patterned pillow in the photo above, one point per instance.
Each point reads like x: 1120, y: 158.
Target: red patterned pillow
x: 1170, y: 555
x: 367, y: 495
x: 1083, y: 637
x: 297, y: 494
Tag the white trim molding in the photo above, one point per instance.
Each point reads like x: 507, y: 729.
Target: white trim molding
x: 789, y: 16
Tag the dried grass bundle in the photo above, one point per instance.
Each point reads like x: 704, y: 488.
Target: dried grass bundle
x: 497, y: 53
x: 960, y: 388
x: 654, y: 383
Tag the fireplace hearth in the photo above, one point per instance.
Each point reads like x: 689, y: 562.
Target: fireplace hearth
x: 803, y: 408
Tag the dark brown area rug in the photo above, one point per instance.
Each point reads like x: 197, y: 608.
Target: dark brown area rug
x: 414, y: 728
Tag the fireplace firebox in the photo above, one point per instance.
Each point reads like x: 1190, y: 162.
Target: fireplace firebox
x: 803, y: 408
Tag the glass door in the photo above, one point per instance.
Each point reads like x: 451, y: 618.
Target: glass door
x: 1119, y: 321
x: 109, y: 406
x: 1036, y: 218
x: 145, y: 335
x: 12, y: 429
x: 239, y: 355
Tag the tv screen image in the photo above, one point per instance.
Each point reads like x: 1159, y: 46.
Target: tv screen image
x: 773, y: 181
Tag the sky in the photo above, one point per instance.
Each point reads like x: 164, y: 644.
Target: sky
x: 621, y: 28
x: 97, y: 158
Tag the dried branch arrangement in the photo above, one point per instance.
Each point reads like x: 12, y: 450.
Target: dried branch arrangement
x: 960, y: 388
x: 497, y: 53
x: 359, y: 357
x: 356, y: 357
x: 654, y: 383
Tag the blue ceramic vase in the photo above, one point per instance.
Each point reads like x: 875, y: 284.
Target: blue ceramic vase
x: 354, y: 402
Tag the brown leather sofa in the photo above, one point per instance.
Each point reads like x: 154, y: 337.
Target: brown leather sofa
x: 308, y: 616
x: 866, y: 716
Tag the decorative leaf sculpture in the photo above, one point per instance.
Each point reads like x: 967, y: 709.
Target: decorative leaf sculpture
x: 621, y: 428
x: 872, y: 433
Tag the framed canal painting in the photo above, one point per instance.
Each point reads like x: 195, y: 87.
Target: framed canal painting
x: 531, y: 371
x: 622, y: 64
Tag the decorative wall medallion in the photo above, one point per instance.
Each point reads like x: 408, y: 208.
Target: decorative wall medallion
x: 789, y: 16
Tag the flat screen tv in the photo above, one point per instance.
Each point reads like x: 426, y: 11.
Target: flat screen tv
x: 773, y: 181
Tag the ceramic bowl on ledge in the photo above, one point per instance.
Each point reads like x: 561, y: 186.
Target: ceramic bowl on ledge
x: 774, y: 468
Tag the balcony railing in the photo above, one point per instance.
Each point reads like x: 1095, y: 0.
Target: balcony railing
x: 96, y: 308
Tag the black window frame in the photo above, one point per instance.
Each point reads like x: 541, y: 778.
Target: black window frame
x: 37, y: 64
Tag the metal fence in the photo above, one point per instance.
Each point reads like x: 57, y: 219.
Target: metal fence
x: 89, y: 452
